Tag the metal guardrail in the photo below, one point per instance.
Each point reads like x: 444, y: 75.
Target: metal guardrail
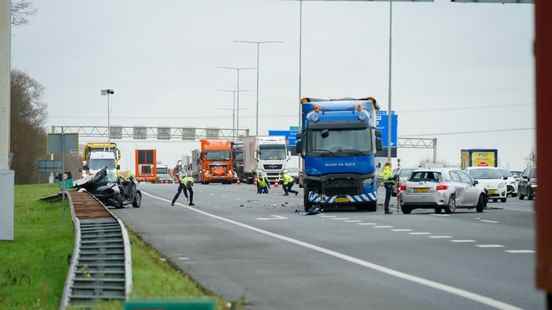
x: 101, y: 267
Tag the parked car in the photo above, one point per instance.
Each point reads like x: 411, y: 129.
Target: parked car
x: 511, y: 183
x: 401, y: 176
x: 491, y: 180
x: 441, y: 189
x: 528, y: 184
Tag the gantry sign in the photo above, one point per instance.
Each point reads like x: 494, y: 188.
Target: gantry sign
x: 150, y: 133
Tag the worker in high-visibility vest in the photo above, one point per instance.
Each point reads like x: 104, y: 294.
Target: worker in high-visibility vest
x: 185, y: 184
x: 262, y: 184
x: 386, y: 175
x: 287, y: 183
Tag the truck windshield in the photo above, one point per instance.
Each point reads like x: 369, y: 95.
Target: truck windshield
x: 272, y: 152
x: 162, y: 170
x: 97, y: 164
x: 485, y: 174
x: 340, y: 141
x: 217, y: 155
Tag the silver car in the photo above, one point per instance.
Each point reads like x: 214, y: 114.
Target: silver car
x: 441, y: 189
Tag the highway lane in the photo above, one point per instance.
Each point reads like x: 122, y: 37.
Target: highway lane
x: 488, y: 254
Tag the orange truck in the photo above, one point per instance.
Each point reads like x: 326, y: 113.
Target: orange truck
x: 145, y: 165
x: 213, y: 162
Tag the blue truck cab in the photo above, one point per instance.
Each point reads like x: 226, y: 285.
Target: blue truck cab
x: 338, y: 145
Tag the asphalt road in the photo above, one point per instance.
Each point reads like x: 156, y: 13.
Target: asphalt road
x: 240, y: 244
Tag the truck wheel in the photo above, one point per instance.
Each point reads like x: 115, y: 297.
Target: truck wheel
x: 306, y: 203
x: 137, y: 203
x: 406, y: 209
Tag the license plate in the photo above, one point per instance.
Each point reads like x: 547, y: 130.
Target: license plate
x: 341, y: 199
x: 421, y: 190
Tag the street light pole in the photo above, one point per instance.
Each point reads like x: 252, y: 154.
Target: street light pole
x: 6, y: 175
x: 258, y: 45
x: 300, y: 118
x: 108, y: 92
x: 237, y: 70
x: 389, y: 118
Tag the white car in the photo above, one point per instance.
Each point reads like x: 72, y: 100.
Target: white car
x: 441, y: 189
x: 512, y: 183
x: 492, y: 181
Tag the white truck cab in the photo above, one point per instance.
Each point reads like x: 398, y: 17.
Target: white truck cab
x: 267, y: 155
x: 99, y: 160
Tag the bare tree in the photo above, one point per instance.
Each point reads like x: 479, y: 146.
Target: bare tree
x: 20, y: 11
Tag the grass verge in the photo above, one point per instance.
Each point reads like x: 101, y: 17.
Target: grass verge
x: 33, y: 267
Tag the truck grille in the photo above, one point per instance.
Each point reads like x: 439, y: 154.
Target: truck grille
x: 273, y: 167
x: 341, y: 187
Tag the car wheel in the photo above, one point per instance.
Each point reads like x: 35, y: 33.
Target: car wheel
x: 521, y: 197
x: 438, y: 210
x: 530, y: 195
x: 503, y: 199
x: 451, y: 207
x: 406, y: 209
x: 137, y: 203
x: 481, y: 203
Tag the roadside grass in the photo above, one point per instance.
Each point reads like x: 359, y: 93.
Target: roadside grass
x: 33, y: 267
x: 155, y: 278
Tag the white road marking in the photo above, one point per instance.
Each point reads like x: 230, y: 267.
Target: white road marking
x: 490, y: 221
x: 419, y: 233
x: 489, y: 245
x: 353, y: 221
x: 383, y: 226
x: 401, y: 229
x: 340, y: 218
x: 328, y: 216
x: 360, y: 262
x: 462, y: 241
x: 272, y: 218
x: 440, y: 237
x: 520, y: 251
x: 367, y: 224
x: 184, y: 258
x: 443, y: 215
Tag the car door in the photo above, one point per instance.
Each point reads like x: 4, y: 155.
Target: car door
x: 471, y: 192
x: 459, y: 186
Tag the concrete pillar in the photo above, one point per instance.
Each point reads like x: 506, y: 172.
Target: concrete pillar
x: 6, y: 175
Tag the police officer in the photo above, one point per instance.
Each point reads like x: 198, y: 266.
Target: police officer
x: 388, y: 180
x: 287, y: 183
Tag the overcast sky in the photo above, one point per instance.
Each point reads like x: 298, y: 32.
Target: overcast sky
x: 161, y: 58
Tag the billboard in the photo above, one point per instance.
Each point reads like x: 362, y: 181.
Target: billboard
x: 478, y: 158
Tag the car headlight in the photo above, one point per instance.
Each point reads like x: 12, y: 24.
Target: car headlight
x: 368, y: 181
